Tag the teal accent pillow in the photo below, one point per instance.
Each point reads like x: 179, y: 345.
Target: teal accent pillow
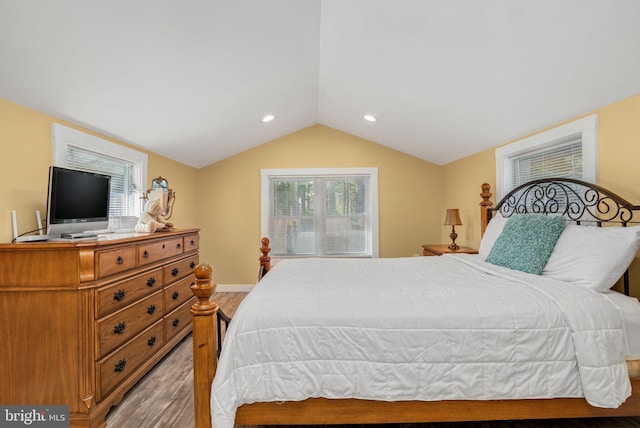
x: 526, y: 242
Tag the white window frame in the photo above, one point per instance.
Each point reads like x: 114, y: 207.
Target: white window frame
x: 63, y: 136
x: 267, y: 174
x: 586, y: 128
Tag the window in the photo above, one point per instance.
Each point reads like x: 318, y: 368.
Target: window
x: 321, y: 212
x: 567, y: 151
x: 127, y: 167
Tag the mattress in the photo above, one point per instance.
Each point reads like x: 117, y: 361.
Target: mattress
x: 419, y: 328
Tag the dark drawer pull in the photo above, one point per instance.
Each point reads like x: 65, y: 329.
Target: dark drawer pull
x: 163, y: 246
x: 120, y: 260
x: 175, y: 272
x: 151, y: 282
x: 119, y: 295
x: 193, y: 242
x: 120, y: 366
x: 175, y: 322
x: 151, y: 309
x: 179, y: 246
x: 145, y: 254
x: 119, y: 329
x: 175, y: 295
x: 151, y: 341
x: 192, y: 265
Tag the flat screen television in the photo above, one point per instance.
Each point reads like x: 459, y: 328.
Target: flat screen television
x: 78, y: 201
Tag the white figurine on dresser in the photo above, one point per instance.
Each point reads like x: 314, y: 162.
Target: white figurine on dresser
x: 151, y: 220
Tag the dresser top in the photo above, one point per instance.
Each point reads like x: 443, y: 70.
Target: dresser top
x: 102, y: 240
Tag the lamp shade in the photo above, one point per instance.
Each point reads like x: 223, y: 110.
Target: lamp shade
x: 453, y: 217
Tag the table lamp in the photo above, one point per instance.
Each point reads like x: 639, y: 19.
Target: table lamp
x: 453, y: 219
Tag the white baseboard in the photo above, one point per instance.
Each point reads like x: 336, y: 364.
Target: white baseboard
x: 234, y: 288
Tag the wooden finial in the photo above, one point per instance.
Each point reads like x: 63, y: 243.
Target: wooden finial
x: 486, y: 194
x: 265, y: 259
x: 485, y: 206
x: 203, y: 289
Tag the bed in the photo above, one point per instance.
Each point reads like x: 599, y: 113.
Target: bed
x: 418, y: 339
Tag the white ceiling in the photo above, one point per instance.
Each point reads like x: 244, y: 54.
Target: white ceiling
x: 191, y: 79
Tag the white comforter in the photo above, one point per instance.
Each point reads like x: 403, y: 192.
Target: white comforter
x: 419, y: 328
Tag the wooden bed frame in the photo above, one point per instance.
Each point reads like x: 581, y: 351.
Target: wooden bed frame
x: 597, y: 205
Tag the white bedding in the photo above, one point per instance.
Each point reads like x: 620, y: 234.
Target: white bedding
x: 419, y: 328
x: 629, y: 309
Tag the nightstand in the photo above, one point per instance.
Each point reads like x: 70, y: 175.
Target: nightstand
x: 438, y: 250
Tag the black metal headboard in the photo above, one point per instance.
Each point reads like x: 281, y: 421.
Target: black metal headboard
x: 576, y: 200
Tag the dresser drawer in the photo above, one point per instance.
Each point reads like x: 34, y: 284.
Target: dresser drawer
x: 178, y: 320
x: 191, y: 242
x: 121, y: 326
x: 114, y: 261
x: 178, y: 293
x: 180, y: 269
x: 159, y: 250
x: 124, y: 293
x: 117, y: 367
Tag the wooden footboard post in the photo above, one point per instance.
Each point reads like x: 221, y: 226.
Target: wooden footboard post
x: 204, y: 343
x: 485, y: 205
x: 265, y: 259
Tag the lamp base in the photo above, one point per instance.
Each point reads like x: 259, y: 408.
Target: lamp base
x: 453, y: 235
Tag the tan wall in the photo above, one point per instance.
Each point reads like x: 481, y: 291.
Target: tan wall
x: 25, y: 139
x: 619, y: 148
x: 462, y: 181
x: 223, y: 199
x: 410, y: 206
x: 618, y: 169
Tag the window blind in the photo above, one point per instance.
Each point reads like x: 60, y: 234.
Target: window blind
x: 320, y: 216
x: 122, y: 199
x: 562, y: 160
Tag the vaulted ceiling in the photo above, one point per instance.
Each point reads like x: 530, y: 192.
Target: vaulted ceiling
x: 193, y: 79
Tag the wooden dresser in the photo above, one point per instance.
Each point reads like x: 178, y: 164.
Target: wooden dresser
x: 82, y: 322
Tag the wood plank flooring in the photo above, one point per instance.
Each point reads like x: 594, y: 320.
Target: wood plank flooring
x: 164, y: 397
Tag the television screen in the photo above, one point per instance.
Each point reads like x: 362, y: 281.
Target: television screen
x: 78, y: 201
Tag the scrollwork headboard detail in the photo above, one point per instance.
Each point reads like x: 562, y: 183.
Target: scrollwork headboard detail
x: 576, y: 200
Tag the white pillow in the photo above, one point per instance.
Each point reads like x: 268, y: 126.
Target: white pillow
x: 595, y: 257
x: 491, y: 233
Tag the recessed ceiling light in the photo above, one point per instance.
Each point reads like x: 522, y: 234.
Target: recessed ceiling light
x: 268, y: 118
x: 370, y: 117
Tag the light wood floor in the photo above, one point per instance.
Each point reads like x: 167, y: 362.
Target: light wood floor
x: 164, y: 398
